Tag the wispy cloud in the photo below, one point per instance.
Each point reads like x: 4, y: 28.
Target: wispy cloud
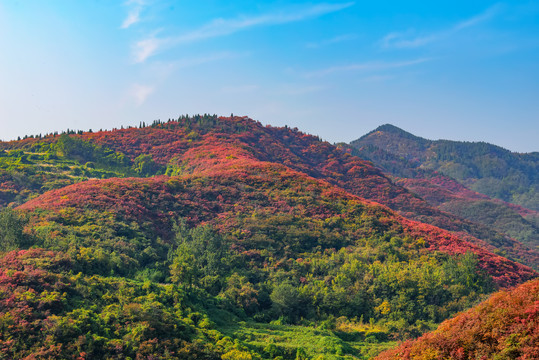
x: 331, y: 41
x: 162, y: 70
x: 159, y: 72
x: 147, y: 47
x: 400, y: 40
x: 367, y: 66
x: 141, y: 92
x: 222, y: 27
x: 484, y: 16
x: 133, y: 16
x: 407, y: 40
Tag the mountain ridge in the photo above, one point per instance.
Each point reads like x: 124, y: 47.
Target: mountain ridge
x: 167, y: 142
x: 483, y: 167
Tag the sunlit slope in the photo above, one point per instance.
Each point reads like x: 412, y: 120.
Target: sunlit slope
x: 233, y: 196
x: 506, y: 326
x: 196, y: 144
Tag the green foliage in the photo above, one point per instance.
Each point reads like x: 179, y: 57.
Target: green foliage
x: 144, y: 165
x: 46, y: 165
x: 237, y: 257
x: 11, y: 230
x: 199, y: 257
x: 85, y: 153
x: 68, y: 316
x: 242, y: 294
x: 274, y: 341
x: 498, y: 216
x: 286, y: 298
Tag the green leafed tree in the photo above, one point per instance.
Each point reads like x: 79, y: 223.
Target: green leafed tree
x: 144, y: 165
x: 198, y: 257
x: 11, y: 230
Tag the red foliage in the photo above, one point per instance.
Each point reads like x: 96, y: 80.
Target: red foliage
x: 220, y: 193
x: 209, y: 145
x: 505, y: 326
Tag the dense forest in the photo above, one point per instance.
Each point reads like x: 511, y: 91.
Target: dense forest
x: 219, y: 238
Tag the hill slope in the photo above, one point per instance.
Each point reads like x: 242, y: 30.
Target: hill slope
x: 250, y: 233
x: 482, y: 167
x: 506, y: 326
x: 33, y: 166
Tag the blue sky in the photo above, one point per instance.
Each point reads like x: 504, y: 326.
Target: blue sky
x: 463, y: 70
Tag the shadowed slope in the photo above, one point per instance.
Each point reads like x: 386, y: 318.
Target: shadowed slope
x: 482, y: 167
x: 408, y: 160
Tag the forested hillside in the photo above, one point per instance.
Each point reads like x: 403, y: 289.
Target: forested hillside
x: 210, y: 238
x: 33, y: 166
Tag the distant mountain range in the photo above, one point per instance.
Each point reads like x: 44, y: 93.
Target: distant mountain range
x: 482, y: 167
x: 220, y: 238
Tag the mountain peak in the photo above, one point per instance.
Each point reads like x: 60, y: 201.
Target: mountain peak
x: 390, y: 128
x: 394, y: 130
x: 393, y: 138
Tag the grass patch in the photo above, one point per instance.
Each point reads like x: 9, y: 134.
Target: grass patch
x: 272, y: 341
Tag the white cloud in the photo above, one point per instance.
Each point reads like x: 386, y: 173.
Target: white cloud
x: 405, y: 40
x: 141, y: 92
x: 145, y: 48
x: 133, y: 16
x: 222, y: 27
x: 367, y: 66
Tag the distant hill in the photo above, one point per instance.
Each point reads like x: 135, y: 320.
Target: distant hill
x: 482, y: 167
x: 506, y: 326
x: 424, y: 167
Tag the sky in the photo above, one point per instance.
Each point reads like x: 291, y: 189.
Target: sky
x: 459, y: 70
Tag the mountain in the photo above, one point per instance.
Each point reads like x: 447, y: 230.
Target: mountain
x: 506, y: 326
x: 482, y: 167
x: 208, y: 237
x: 422, y: 165
x: 32, y: 166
